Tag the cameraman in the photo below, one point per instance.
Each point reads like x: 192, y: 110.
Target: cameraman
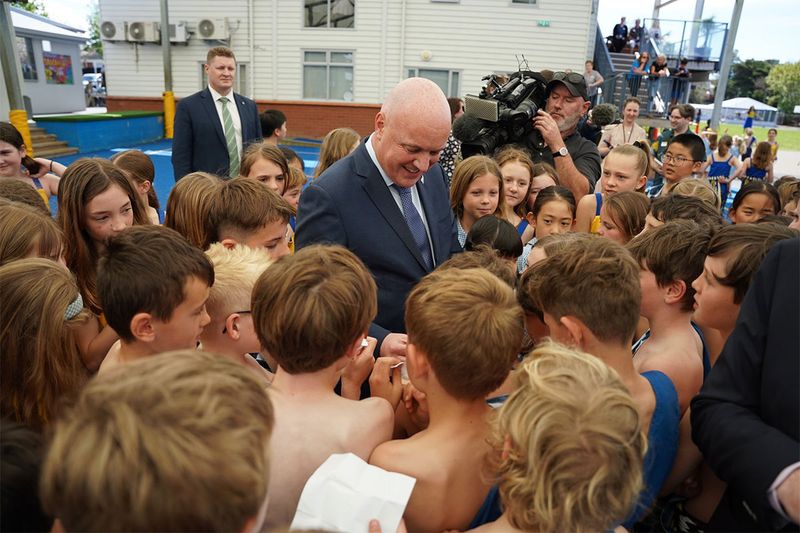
x: 575, y: 158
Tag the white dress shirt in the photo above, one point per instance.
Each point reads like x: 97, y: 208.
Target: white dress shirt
x: 396, y: 194
x: 234, y: 111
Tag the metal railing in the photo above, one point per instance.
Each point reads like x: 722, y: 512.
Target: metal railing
x: 697, y: 40
x: 657, y: 94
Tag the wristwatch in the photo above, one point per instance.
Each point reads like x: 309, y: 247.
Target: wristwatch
x: 563, y: 152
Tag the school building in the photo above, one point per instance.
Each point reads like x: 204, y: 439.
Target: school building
x: 329, y: 63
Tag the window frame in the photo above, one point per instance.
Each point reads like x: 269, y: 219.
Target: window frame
x: 328, y: 26
x: 450, y: 92
x: 327, y: 64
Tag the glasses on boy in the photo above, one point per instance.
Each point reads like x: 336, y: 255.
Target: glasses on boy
x: 669, y: 158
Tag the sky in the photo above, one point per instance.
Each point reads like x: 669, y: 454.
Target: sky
x: 765, y: 30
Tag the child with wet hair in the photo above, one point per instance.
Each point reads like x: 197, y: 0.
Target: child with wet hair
x: 551, y: 479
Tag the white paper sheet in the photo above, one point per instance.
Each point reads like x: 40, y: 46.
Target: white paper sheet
x: 345, y: 493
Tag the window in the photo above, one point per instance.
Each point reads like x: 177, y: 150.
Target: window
x: 328, y: 75
x: 240, y: 84
x: 27, y: 59
x: 329, y: 13
x: 447, y: 80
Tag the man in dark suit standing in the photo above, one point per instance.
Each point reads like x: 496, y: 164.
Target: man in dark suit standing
x: 746, y: 419
x: 213, y: 126
x: 387, y: 202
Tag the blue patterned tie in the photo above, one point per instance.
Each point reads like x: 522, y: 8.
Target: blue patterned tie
x: 415, y: 224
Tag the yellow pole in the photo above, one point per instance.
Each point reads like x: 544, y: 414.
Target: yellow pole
x: 169, y: 114
x: 19, y: 118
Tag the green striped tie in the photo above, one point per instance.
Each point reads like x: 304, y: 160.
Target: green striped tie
x: 230, y: 138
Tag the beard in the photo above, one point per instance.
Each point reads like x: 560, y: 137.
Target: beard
x: 568, y: 123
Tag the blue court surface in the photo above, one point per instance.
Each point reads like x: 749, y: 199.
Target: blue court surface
x: 161, y: 152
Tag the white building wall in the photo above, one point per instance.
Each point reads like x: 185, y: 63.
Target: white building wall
x: 49, y: 97
x: 475, y: 37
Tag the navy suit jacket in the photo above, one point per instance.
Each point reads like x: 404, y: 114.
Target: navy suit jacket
x: 351, y: 205
x: 199, y: 143
x: 746, y: 419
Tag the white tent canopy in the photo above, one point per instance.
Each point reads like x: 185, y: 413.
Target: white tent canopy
x: 734, y: 109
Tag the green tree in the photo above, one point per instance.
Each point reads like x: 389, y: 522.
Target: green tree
x: 34, y: 6
x: 784, y: 86
x: 749, y: 78
x: 95, y: 42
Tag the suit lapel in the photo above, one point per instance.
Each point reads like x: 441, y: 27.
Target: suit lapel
x: 244, y: 117
x: 380, y: 195
x: 430, y: 216
x: 211, y: 109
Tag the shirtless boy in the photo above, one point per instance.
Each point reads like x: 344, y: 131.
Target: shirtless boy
x: 311, y: 312
x: 153, y: 286
x: 456, y: 362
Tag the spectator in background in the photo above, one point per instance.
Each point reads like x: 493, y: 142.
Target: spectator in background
x: 273, y: 124
x: 627, y: 132
x: 680, y: 81
x: 619, y: 36
x: 655, y: 31
x: 593, y: 81
x: 658, y: 71
x: 638, y: 69
x: 451, y: 154
x: 635, y: 35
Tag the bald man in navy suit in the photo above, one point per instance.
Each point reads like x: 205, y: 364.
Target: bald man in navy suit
x: 387, y: 202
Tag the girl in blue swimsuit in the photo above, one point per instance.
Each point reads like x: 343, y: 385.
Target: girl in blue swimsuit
x: 720, y: 163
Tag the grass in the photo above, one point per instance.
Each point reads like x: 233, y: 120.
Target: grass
x: 99, y: 116
x: 788, y: 138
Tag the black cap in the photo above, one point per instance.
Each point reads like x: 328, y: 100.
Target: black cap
x: 574, y: 82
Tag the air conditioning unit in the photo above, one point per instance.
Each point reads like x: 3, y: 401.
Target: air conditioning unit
x: 213, y: 29
x: 143, y: 32
x: 178, y: 33
x: 113, y: 30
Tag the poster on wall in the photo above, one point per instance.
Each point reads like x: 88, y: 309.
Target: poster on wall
x: 57, y: 68
x: 26, y: 59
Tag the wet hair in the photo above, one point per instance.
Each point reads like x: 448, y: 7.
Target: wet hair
x: 746, y: 245
x: 499, y: 234
x: 698, y: 188
x: 628, y: 211
x: 83, y: 180
x: 727, y: 142
x: 10, y: 134
x: 188, y: 206
x: 268, y: 152
x: 762, y: 155
x: 468, y: 171
x: 482, y: 256
x: 25, y: 231
x: 335, y: 145
x: 139, y: 167
x: 516, y: 155
x: 640, y: 150
x: 554, y: 193
x: 757, y: 187
x: 675, y: 206
x: 21, y: 192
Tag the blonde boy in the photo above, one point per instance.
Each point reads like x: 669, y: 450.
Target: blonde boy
x: 311, y: 312
x: 231, y: 332
x: 589, y: 294
x: 177, y: 443
x: 572, y: 445
x: 153, y: 286
x: 245, y: 211
x: 670, y: 258
x: 464, y: 332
